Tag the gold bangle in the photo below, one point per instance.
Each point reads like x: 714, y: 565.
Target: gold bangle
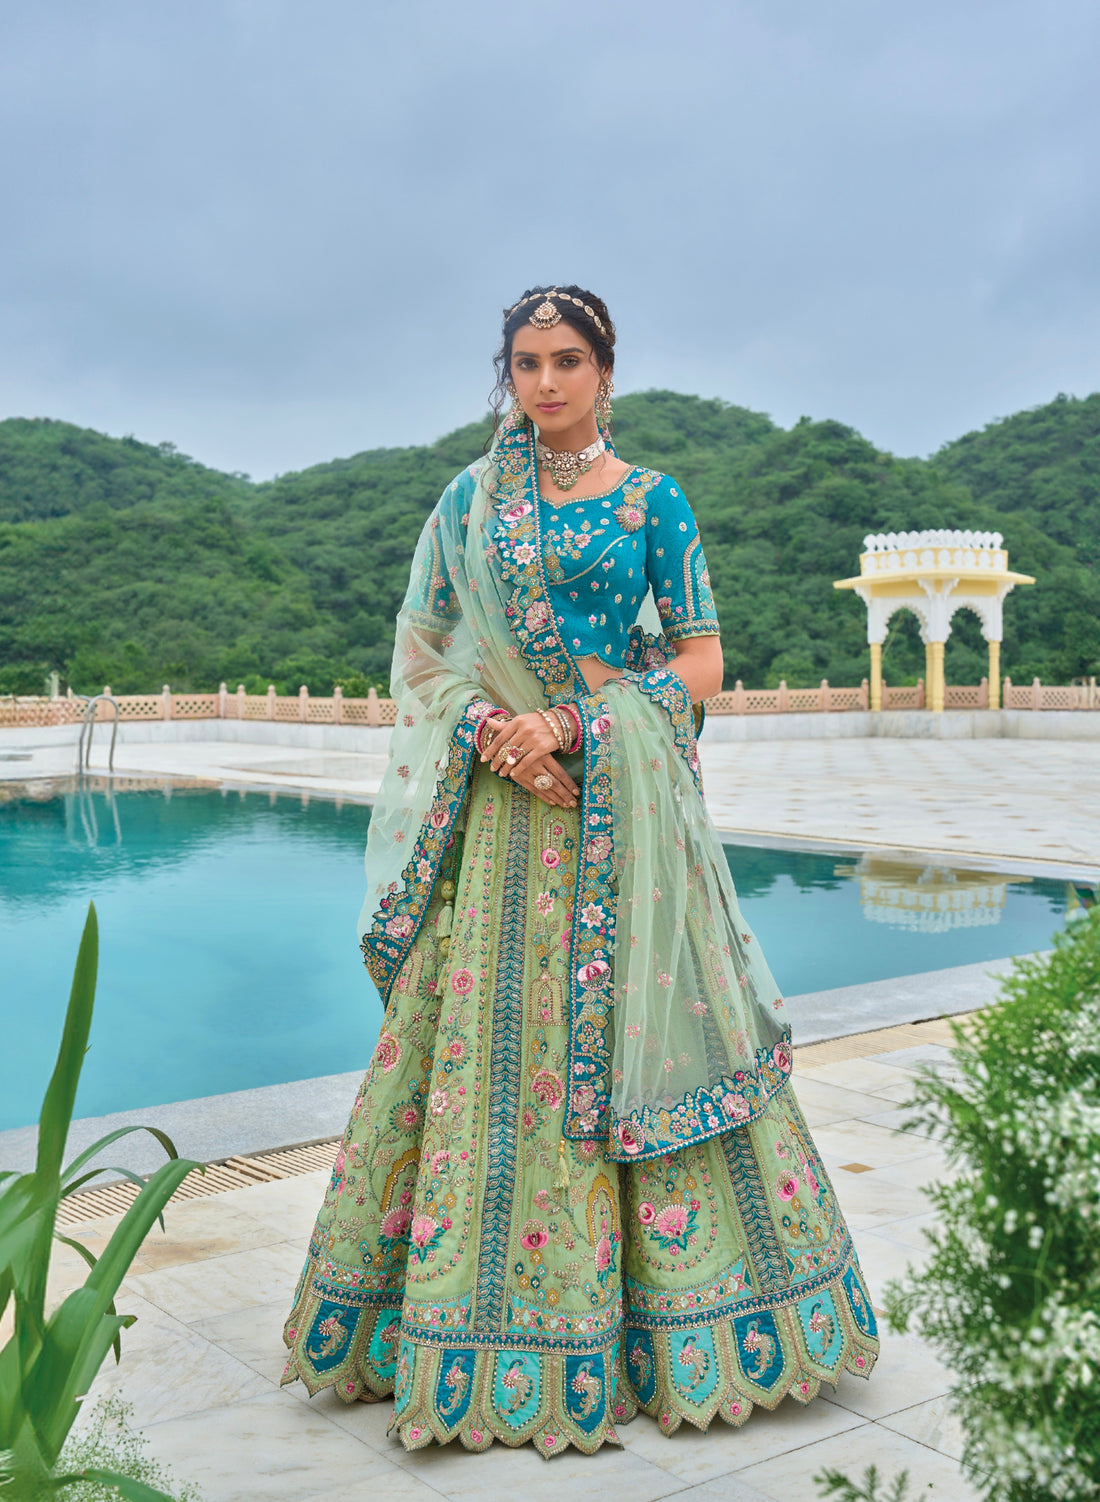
x: 555, y: 728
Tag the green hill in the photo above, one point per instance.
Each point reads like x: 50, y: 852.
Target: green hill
x: 129, y: 564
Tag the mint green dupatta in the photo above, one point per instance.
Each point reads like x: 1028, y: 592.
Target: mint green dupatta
x: 676, y: 1026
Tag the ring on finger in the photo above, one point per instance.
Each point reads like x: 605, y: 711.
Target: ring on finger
x: 543, y: 781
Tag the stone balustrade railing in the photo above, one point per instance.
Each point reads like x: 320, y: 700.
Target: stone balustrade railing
x: 309, y: 709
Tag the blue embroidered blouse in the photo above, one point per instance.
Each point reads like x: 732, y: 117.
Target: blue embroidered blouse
x: 602, y: 552
x: 600, y: 555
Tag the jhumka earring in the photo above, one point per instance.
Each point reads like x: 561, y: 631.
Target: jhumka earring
x: 603, y: 400
x: 516, y: 416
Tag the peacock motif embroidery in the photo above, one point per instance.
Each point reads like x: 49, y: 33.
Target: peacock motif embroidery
x: 590, y: 1389
x: 759, y: 1347
x: 518, y: 1385
x: 693, y: 1358
x: 457, y: 1379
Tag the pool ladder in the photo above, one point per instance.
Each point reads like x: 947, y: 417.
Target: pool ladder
x: 87, y: 729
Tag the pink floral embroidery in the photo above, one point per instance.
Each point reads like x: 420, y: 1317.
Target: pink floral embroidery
x: 646, y: 1213
x: 387, y: 1052
x: 399, y: 927
x: 395, y: 1224
x: 551, y: 859
x: 786, y: 1186
x: 628, y: 1138
x: 535, y: 1236
x: 592, y: 974
x: 584, y: 1097
x: 736, y: 1107
x: 671, y: 1221
x: 424, y: 1228
x: 462, y: 981
x: 548, y: 1088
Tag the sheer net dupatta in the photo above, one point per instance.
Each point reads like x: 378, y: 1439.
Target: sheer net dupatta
x: 699, y: 1035
x: 454, y: 659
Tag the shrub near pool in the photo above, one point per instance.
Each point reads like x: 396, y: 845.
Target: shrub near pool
x: 1011, y: 1294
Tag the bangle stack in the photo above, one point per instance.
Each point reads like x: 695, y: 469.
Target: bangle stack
x: 565, y: 722
x: 481, y: 724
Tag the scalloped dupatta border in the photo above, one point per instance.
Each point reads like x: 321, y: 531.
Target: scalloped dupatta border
x: 729, y: 1102
x: 400, y: 914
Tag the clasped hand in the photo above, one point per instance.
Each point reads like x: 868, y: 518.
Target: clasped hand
x: 532, y: 735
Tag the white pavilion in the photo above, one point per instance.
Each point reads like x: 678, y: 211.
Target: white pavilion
x: 933, y: 574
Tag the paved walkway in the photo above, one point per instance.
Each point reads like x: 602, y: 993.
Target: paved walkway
x: 202, y: 1365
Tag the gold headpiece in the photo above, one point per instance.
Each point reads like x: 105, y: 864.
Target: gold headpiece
x: 546, y: 315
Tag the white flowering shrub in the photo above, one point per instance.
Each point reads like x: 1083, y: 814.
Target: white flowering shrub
x: 1010, y: 1298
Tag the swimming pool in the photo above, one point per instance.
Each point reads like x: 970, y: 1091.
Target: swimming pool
x: 228, y: 954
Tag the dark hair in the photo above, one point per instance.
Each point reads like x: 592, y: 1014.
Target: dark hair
x: 572, y: 312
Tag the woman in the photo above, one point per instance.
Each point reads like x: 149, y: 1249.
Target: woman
x: 575, y: 1180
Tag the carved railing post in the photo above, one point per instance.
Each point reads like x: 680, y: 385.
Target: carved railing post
x: 303, y: 704
x: 338, y: 705
x: 271, y: 701
x: 374, y: 716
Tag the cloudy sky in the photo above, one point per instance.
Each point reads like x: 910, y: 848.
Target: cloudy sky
x: 277, y: 232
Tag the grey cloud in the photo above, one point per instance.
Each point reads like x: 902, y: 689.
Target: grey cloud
x: 276, y: 233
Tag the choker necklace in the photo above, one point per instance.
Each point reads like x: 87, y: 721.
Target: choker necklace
x: 565, y: 467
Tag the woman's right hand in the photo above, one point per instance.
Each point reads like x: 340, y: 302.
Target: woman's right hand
x: 534, y: 736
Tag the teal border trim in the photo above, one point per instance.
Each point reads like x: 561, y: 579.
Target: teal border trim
x: 400, y: 914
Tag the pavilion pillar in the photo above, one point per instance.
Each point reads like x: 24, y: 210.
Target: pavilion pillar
x: 929, y: 675
x: 876, y: 675
x: 936, y: 678
x: 994, y: 674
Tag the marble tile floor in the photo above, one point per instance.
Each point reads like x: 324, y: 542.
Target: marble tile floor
x: 202, y: 1364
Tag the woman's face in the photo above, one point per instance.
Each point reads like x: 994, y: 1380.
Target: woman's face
x: 556, y: 376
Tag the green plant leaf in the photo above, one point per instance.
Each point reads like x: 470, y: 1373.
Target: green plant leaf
x: 91, y: 1259
x: 127, y: 1173
x: 74, y: 1345
x: 105, y: 1141
x: 57, y: 1107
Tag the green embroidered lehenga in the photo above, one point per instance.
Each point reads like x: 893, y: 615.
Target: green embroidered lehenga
x: 576, y: 1180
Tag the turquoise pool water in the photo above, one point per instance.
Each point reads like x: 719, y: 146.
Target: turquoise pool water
x: 228, y: 953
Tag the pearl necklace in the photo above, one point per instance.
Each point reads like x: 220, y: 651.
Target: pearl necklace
x: 566, y: 467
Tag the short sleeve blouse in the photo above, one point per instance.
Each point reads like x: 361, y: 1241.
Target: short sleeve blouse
x: 602, y: 552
